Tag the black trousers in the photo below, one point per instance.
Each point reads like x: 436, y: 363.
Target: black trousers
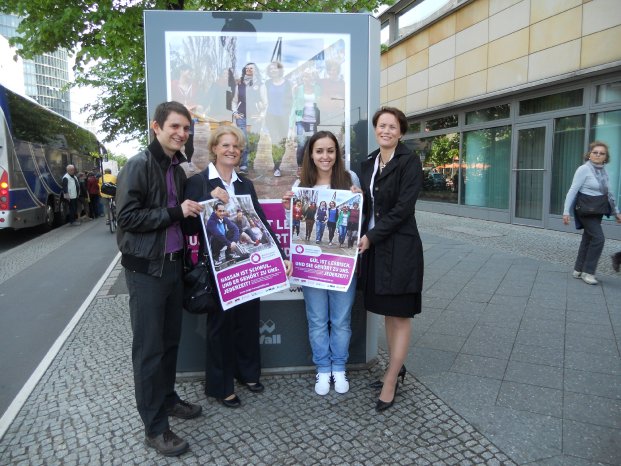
x: 156, y: 311
x: 233, y: 350
x: 591, y: 245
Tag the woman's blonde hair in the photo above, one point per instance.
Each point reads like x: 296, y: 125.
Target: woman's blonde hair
x: 220, y: 131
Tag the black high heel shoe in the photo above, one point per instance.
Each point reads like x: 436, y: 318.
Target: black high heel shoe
x: 384, y: 405
x: 378, y: 384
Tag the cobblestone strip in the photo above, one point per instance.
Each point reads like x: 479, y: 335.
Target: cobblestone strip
x: 82, y: 412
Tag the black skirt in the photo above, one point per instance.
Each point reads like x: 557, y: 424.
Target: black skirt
x: 393, y: 305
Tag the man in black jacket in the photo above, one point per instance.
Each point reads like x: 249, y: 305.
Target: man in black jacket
x: 150, y: 207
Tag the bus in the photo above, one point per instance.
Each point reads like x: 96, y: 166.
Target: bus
x: 36, y: 145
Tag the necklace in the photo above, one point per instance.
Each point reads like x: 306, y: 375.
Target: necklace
x: 382, y: 165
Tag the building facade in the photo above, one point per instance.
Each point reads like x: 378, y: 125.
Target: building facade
x: 46, y: 77
x: 503, y: 98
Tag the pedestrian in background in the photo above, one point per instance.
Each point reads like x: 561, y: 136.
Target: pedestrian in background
x: 71, y: 193
x: 150, y: 209
x: 590, y: 179
x: 107, y: 177
x: 392, y: 251
x: 92, y: 186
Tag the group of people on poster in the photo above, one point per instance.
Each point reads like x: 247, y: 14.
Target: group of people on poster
x: 279, y: 106
x: 155, y: 200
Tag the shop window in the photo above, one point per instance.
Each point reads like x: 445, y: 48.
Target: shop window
x: 440, y: 158
x: 553, y: 102
x: 609, y: 92
x: 497, y: 112
x: 567, y: 155
x: 414, y: 127
x: 485, y: 168
x: 606, y: 127
x: 446, y: 122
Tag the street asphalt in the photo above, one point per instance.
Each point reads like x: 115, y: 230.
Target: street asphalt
x: 512, y: 361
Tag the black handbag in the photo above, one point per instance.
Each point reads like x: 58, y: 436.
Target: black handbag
x: 199, y: 292
x: 592, y: 205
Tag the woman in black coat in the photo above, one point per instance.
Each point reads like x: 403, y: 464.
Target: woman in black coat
x: 233, y: 350
x: 392, y: 260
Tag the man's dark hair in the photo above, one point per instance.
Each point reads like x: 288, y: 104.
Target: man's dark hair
x: 217, y: 204
x: 166, y: 108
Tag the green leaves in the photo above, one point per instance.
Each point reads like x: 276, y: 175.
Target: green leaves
x: 107, y: 38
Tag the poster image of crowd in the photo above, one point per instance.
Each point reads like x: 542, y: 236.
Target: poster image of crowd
x: 325, y: 227
x: 245, y: 259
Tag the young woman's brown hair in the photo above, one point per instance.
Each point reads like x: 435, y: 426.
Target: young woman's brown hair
x: 340, y: 178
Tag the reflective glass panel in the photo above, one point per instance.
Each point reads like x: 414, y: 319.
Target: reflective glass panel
x: 497, y: 112
x: 485, y: 167
x: 549, y: 103
x: 440, y: 157
x: 567, y: 152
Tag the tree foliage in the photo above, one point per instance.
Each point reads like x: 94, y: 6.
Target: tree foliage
x: 108, y: 39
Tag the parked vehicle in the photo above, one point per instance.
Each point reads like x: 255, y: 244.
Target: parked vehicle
x: 36, y: 145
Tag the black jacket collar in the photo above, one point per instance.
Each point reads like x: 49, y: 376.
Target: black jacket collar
x: 155, y: 148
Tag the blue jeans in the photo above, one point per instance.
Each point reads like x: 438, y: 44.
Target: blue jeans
x: 321, y: 226
x: 342, y: 233
x: 329, y: 343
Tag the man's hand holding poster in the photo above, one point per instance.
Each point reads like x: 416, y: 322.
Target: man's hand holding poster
x: 245, y: 259
x: 325, y: 227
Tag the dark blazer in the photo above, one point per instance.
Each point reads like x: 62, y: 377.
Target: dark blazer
x: 397, y: 245
x: 199, y: 187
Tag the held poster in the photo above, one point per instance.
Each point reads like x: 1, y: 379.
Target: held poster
x: 325, y: 227
x: 245, y: 259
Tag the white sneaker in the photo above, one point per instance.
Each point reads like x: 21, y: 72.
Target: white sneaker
x: 576, y: 274
x: 341, y: 385
x: 322, y: 383
x: 589, y: 279
x: 277, y: 172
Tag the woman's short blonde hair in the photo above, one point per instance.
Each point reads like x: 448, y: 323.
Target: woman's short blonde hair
x: 220, y: 131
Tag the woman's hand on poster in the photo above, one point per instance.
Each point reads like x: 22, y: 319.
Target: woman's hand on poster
x: 288, y: 267
x: 220, y: 193
x: 238, y: 115
x: 566, y: 219
x: 363, y: 244
x: 355, y: 189
x: 286, y: 199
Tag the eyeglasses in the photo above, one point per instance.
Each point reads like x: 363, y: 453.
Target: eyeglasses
x: 598, y: 153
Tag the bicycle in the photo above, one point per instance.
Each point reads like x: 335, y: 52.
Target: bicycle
x: 112, y: 207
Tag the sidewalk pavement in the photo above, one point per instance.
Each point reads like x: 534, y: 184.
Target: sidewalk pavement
x: 512, y: 362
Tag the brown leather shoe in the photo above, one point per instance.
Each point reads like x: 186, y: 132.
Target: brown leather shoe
x: 167, y: 443
x: 184, y: 410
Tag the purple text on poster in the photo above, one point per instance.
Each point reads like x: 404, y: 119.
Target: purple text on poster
x: 248, y: 278
x: 277, y: 218
x: 326, y: 268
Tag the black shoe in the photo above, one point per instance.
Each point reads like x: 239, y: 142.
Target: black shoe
x: 234, y: 402
x: 616, y: 261
x: 255, y: 387
x: 184, y: 410
x: 384, y: 405
x: 167, y: 443
x: 378, y: 384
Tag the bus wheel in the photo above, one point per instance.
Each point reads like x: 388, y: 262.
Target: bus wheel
x: 50, y: 218
x: 60, y: 217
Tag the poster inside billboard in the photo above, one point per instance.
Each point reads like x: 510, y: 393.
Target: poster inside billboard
x: 277, y: 88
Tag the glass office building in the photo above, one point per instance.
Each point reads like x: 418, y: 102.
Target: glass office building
x: 46, y: 76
